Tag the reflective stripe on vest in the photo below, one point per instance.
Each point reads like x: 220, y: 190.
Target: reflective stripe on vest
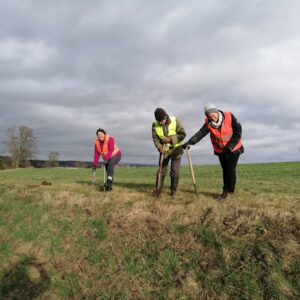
x: 104, y: 150
x: 171, y: 131
x: 221, y: 136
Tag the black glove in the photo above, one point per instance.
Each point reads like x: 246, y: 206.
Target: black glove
x: 186, y: 145
x: 226, y: 150
x: 94, y: 168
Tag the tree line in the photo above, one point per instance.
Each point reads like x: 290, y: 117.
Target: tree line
x: 21, y: 145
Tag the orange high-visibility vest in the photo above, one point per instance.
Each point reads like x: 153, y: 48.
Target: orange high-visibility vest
x: 104, y: 150
x: 221, y: 136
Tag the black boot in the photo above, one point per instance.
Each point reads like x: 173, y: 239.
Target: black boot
x: 107, y: 187
x: 174, y: 184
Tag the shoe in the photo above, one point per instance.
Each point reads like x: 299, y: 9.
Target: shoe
x: 225, y: 195
x: 107, y: 187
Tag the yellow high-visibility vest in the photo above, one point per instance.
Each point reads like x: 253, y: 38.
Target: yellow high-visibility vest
x: 171, y: 131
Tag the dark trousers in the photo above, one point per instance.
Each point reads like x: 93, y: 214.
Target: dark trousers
x: 229, y: 163
x: 110, y: 165
x: 175, y: 166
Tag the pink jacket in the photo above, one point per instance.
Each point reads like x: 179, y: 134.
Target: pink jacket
x: 110, y: 146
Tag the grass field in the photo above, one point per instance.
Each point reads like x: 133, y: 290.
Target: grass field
x: 61, y: 238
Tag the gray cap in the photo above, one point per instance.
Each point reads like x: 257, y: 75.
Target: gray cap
x: 209, y: 108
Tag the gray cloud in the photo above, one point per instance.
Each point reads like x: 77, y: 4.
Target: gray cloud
x: 68, y: 67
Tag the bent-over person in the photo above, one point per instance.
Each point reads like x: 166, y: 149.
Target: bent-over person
x: 168, y: 134
x: 226, y: 138
x: 106, y: 147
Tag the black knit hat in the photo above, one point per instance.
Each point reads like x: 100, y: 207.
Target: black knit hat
x: 100, y: 130
x: 160, y: 114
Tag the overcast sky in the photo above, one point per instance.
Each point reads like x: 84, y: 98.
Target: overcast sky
x: 70, y: 67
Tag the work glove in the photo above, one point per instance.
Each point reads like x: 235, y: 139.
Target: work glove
x: 186, y: 145
x: 226, y: 150
x: 166, y: 139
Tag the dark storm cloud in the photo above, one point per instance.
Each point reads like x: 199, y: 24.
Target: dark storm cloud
x: 69, y: 67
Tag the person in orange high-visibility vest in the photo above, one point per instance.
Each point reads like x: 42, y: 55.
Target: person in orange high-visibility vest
x: 105, y: 146
x: 225, y: 134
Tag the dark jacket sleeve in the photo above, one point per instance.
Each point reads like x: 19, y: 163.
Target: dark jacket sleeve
x: 199, y: 135
x: 237, y: 133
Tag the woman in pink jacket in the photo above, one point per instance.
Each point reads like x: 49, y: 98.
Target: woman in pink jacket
x: 106, y: 147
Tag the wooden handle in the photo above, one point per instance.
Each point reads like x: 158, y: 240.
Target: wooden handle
x: 161, y: 159
x: 104, y: 174
x: 191, y: 166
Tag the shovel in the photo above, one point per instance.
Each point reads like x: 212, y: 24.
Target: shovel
x: 191, y: 169
x: 104, y: 177
x: 158, y: 187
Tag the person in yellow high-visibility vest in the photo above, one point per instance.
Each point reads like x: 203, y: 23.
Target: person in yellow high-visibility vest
x: 168, y: 131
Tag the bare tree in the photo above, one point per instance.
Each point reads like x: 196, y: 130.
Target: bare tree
x: 21, y: 144
x: 53, y: 159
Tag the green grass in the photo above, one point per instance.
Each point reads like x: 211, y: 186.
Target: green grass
x: 101, y: 229
x: 61, y: 238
